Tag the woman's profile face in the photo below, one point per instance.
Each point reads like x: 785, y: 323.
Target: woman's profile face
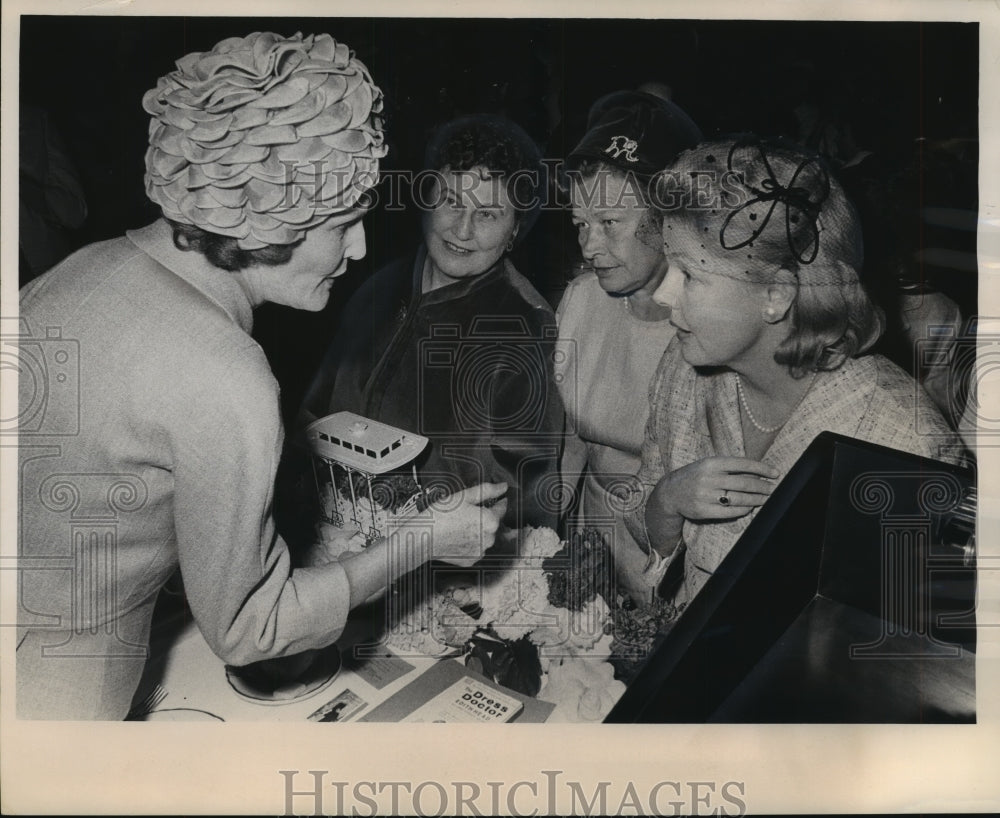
x: 608, y: 213
x: 305, y: 280
x: 470, y: 223
x: 718, y: 312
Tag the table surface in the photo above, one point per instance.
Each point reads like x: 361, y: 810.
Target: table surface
x: 183, y: 667
x: 196, y: 686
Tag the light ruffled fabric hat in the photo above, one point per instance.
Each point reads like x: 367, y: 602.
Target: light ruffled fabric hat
x: 263, y: 137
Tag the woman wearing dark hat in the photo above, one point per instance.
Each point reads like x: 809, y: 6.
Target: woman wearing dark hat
x: 452, y: 342
x: 612, y: 333
x: 155, y: 444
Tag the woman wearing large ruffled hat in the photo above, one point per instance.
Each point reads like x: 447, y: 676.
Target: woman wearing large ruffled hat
x: 154, y: 441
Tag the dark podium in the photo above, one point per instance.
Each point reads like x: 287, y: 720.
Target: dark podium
x: 850, y: 598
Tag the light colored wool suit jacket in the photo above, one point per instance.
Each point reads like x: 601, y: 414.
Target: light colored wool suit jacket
x: 150, y: 437
x: 694, y: 416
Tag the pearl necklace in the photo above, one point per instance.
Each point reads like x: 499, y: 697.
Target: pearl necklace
x: 767, y: 430
x: 627, y: 303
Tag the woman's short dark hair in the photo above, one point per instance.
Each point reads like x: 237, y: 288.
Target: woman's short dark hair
x: 503, y: 148
x: 590, y: 168
x: 584, y: 170
x: 224, y: 252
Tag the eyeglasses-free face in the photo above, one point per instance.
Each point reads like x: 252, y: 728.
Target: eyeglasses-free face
x: 469, y: 226
x: 610, y: 217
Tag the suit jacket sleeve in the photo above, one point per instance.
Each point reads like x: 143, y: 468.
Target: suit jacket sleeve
x: 237, y: 572
x: 654, y: 444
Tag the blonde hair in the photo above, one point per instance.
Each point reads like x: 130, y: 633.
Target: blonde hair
x: 767, y: 206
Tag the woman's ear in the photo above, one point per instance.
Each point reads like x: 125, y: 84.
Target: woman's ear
x: 510, y: 241
x: 779, y: 297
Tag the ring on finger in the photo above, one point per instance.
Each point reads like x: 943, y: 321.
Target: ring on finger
x: 724, y: 499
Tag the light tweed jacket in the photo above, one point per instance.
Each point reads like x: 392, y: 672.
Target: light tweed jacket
x: 694, y: 416
x: 158, y: 449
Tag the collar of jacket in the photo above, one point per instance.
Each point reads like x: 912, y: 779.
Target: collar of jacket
x: 457, y: 289
x: 836, y: 402
x: 221, y: 287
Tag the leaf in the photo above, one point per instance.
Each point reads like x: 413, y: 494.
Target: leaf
x: 481, y: 655
x: 512, y: 664
x: 523, y: 670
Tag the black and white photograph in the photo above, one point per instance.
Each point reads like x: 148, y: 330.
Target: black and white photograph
x: 342, y: 708
x: 632, y: 371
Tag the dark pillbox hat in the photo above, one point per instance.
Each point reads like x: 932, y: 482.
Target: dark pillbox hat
x: 635, y: 131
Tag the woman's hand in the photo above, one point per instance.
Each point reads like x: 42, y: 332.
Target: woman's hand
x: 715, y: 488
x: 464, y: 524
x: 457, y: 529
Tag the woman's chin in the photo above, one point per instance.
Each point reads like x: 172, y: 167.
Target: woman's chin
x: 314, y: 304
x: 455, y: 270
x: 692, y: 355
x: 319, y: 299
x: 456, y: 265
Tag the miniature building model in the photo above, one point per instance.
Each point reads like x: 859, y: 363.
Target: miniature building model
x: 363, y: 446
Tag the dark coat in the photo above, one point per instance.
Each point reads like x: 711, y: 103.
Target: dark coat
x: 468, y: 365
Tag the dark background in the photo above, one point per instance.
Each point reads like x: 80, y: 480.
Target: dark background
x: 906, y: 93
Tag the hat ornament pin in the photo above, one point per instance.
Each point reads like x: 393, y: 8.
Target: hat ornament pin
x: 622, y: 147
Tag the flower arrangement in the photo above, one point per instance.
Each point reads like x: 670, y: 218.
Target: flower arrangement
x: 543, y: 619
x: 542, y: 624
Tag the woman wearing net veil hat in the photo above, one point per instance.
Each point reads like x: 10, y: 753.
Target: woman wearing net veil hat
x: 773, y: 329
x: 611, y: 332
x: 261, y: 155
